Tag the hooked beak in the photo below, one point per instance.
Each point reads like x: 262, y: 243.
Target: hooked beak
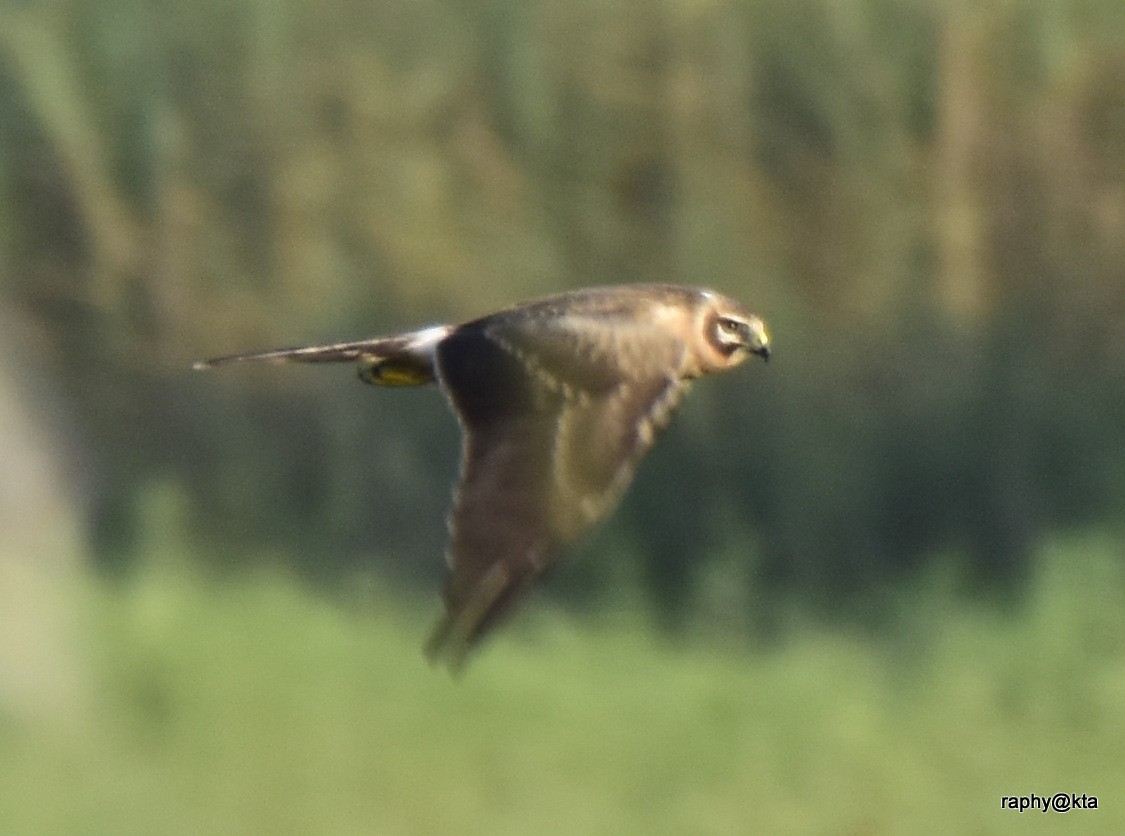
x: 759, y: 340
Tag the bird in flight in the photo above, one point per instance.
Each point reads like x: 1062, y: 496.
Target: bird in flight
x: 558, y: 400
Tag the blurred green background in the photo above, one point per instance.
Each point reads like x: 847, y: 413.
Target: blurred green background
x: 870, y: 588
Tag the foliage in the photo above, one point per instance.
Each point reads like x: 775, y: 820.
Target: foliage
x: 924, y: 200
x: 250, y: 705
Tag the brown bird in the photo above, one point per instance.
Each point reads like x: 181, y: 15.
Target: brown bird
x: 558, y: 400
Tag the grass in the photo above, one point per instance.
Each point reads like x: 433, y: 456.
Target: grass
x: 251, y: 705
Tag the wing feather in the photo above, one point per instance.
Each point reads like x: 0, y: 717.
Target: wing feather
x: 556, y: 413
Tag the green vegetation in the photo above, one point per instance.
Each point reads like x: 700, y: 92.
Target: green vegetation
x: 868, y: 622
x: 249, y: 705
x: 924, y: 200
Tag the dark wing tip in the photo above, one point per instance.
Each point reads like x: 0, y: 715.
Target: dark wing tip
x: 443, y: 648
x: 467, y: 620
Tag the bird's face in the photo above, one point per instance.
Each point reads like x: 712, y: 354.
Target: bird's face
x: 730, y: 334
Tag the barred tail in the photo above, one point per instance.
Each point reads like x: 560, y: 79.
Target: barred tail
x: 401, y: 360
x: 337, y: 353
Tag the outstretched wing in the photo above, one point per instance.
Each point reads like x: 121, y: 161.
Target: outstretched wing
x: 556, y: 411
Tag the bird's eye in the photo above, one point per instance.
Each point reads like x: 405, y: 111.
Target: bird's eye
x: 731, y: 330
x: 730, y: 334
x: 729, y: 326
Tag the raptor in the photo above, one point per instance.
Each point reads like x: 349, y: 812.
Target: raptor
x: 558, y: 400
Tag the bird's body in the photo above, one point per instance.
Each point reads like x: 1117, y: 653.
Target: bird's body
x: 558, y: 400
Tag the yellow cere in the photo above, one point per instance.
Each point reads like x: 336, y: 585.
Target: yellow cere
x: 763, y: 334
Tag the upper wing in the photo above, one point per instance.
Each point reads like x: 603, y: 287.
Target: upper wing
x: 556, y: 414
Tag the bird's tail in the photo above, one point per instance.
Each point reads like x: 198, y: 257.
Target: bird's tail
x: 401, y: 360
x: 336, y: 353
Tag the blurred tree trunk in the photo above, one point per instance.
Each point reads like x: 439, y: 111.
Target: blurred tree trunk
x: 64, y: 107
x: 41, y: 664
x: 962, y: 112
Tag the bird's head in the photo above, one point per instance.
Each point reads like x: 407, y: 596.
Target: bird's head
x: 730, y: 334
